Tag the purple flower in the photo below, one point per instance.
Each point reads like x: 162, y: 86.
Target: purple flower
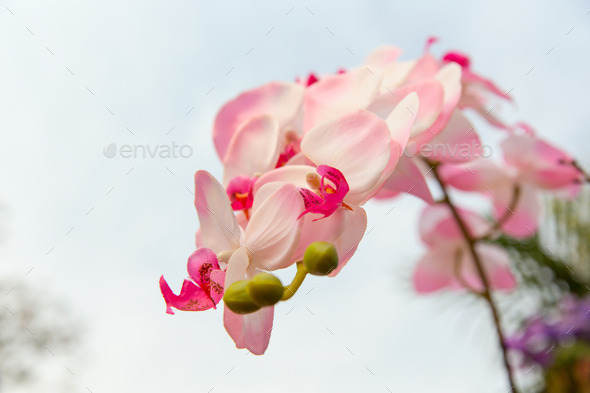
x: 541, y: 334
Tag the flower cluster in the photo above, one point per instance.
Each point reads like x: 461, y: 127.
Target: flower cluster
x: 302, y: 158
x: 542, y: 336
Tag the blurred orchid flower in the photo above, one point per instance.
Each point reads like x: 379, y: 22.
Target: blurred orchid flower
x: 477, y: 89
x: 449, y: 263
x: 531, y: 164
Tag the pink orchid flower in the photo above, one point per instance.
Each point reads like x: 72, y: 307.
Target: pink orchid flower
x: 354, y: 155
x: 448, y: 262
x: 205, y: 287
x: 359, y: 146
x: 475, y: 88
x: 498, y: 183
x: 440, y: 131
x: 541, y: 164
x: 256, y: 132
x: 531, y: 164
x: 268, y: 241
x: 438, y: 89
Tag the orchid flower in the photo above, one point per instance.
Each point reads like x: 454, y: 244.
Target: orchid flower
x: 531, y: 164
x: 354, y: 155
x: 256, y: 132
x: 300, y: 160
x: 448, y: 262
x: 267, y: 243
x: 515, y: 204
x: 541, y: 164
x: 437, y: 121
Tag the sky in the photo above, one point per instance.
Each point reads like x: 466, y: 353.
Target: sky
x: 97, y: 232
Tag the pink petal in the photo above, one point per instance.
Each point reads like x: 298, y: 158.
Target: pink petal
x: 295, y: 174
x: 250, y: 331
x: 430, y: 96
x: 327, y: 230
x: 453, y: 267
x: 219, y: 228
x: 217, y: 285
x: 496, y: 264
x: 298, y: 159
x: 484, y: 176
x: 474, y: 99
x: 346, y: 244
x: 450, y: 78
x: 457, y: 142
x: 425, y: 68
x: 273, y: 231
x: 523, y: 219
x: 438, y: 225
x: 395, y: 74
x: 402, y: 119
x: 383, y: 56
x: 191, y: 297
x: 253, y: 149
x: 400, y: 122
x: 473, y: 78
x: 358, y: 144
x: 282, y: 101
x: 336, y: 95
x: 434, y: 270
x: 480, y: 175
x: 539, y: 162
x: 237, y: 267
x: 200, y: 265
x: 407, y: 178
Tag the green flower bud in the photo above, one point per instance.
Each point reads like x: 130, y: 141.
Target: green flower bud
x: 320, y: 258
x: 265, y: 289
x: 237, y: 298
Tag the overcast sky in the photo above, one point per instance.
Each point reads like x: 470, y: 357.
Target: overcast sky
x: 98, y: 232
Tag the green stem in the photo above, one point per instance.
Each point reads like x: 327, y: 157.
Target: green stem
x: 296, y: 283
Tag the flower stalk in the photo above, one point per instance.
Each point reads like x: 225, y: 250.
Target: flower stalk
x: 486, y: 292
x: 296, y: 283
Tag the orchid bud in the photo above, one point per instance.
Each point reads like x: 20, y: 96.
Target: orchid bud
x: 237, y: 298
x: 265, y: 289
x: 320, y: 258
